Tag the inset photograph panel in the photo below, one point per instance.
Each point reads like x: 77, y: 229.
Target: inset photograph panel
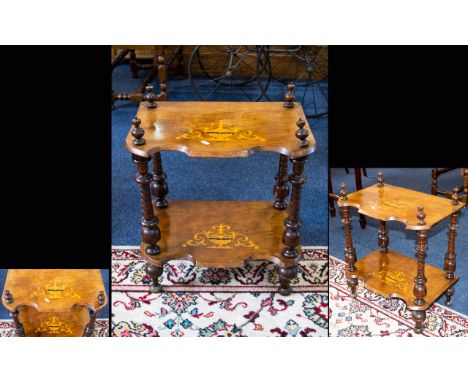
x: 54, y: 303
x: 396, y: 269
x: 228, y: 144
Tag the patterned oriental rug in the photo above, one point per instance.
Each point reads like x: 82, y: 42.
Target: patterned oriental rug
x: 370, y: 314
x: 206, y: 302
x: 7, y: 328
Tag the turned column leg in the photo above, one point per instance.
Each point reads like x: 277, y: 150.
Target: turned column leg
x: 133, y: 64
x: 350, y: 252
x: 293, y: 223
x: 281, y: 187
x: 383, y: 237
x: 19, y: 329
x: 331, y: 202
x: 358, y: 181
x: 162, y: 74
x: 420, y: 289
x: 89, y: 330
x: 285, y: 277
x: 154, y: 272
x: 150, y: 233
x: 450, y: 263
x: 159, y: 187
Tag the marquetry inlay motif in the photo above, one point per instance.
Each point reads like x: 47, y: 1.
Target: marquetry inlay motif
x: 53, y: 326
x: 55, y: 290
x: 220, y: 236
x: 393, y: 205
x: 393, y: 278
x: 221, y: 134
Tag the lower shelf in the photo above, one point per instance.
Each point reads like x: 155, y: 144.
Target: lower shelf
x: 220, y: 234
x: 59, y: 324
x: 392, y: 275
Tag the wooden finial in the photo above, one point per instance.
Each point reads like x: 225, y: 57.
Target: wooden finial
x: 138, y: 132
x: 8, y: 297
x: 380, y: 179
x: 101, y: 298
x: 289, y: 97
x: 421, y: 215
x: 455, y: 196
x: 343, y: 193
x: 150, y: 97
x: 302, y: 133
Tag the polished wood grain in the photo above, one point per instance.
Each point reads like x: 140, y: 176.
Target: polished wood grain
x: 389, y: 202
x: 70, y: 323
x: 221, y: 234
x: 53, y: 302
x: 221, y: 129
x: 392, y: 274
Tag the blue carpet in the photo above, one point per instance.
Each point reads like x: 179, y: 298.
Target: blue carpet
x: 102, y: 314
x: 365, y: 240
x: 210, y: 178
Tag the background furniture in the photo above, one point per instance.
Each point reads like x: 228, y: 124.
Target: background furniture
x: 162, y: 59
x: 332, y: 197
x: 220, y: 233
x: 462, y: 191
x: 390, y: 273
x: 54, y: 302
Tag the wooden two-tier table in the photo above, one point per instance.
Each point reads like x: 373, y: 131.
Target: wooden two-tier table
x: 54, y: 302
x: 220, y: 234
x: 392, y: 274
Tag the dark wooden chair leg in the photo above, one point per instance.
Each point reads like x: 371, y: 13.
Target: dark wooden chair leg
x: 435, y: 176
x: 159, y: 187
x: 465, y: 185
x: 364, y: 171
x: 19, y: 329
x: 133, y: 64
x: 150, y: 233
x: 281, y: 187
x: 162, y: 74
x: 285, y: 276
x: 154, y: 272
x: 358, y: 181
x: 331, y: 201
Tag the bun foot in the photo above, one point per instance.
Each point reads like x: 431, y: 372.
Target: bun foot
x: 353, y: 283
x: 285, y: 277
x: 418, y: 316
x: 154, y: 272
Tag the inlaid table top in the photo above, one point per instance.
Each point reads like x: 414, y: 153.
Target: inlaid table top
x: 221, y: 129
x: 396, y: 203
x: 54, y: 290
